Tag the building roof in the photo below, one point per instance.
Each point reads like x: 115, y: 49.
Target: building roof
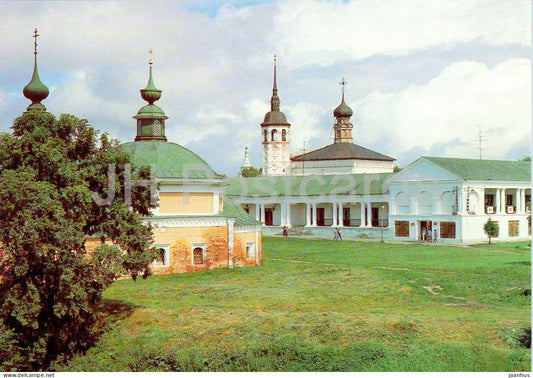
x: 484, y: 170
x: 311, y: 185
x: 171, y: 160
x: 342, y: 151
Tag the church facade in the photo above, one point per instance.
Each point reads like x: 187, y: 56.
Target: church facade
x: 347, y: 186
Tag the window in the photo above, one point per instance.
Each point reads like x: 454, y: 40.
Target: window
x: 274, y: 136
x: 509, y: 200
x: 162, y: 256
x: 447, y: 230
x: 265, y: 136
x: 513, y: 228
x: 425, y: 203
x: 198, y: 254
x: 402, y: 203
x: 250, y: 250
x: 401, y: 228
x: 447, y: 200
x: 489, y: 199
x: 284, y: 135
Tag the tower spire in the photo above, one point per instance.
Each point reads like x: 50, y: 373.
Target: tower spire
x: 274, y: 101
x: 35, y: 90
x: 343, y: 127
x: 150, y: 118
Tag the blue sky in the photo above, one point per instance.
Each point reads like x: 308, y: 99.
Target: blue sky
x: 423, y: 76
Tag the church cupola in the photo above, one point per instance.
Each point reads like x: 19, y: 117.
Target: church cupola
x: 276, y: 136
x: 150, y: 118
x: 343, y: 127
x: 35, y: 90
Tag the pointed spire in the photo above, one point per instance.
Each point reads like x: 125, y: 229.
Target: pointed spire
x: 274, y: 101
x: 150, y: 94
x: 35, y: 90
x: 246, y: 158
x: 150, y: 118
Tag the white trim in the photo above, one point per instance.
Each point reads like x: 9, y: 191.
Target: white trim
x: 166, y: 262
x: 187, y: 222
x: 203, y: 246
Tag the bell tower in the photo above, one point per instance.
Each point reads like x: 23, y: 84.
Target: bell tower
x: 150, y: 118
x: 276, y: 137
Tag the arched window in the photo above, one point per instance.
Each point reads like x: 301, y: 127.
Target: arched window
x: 402, y: 203
x: 274, y: 136
x: 162, y: 256
x: 284, y: 135
x: 338, y: 133
x: 425, y: 203
x: 447, y: 203
x: 198, y: 256
x: 265, y: 136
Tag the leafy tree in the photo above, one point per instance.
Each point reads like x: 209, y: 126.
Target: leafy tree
x: 526, y: 158
x: 396, y: 169
x: 50, y: 285
x: 491, y: 228
x: 250, y: 172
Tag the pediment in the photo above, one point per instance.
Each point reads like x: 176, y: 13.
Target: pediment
x: 423, y: 170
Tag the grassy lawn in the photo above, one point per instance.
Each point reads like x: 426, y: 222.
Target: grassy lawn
x: 320, y: 305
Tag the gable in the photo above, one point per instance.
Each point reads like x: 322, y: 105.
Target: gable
x: 423, y: 170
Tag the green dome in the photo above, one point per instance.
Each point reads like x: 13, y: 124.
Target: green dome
x: 172, y: 161
x: 150, y: 111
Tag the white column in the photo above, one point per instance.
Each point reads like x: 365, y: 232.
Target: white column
x: 262, y: 213
x: 282, y: 214
x: 334, y: 214
x: 257, y: 212
x: 314, y: 215
x: 341, y: 216
x: 363, y: 220
x: 523, y: 200
x: 503, y: 201
x: 497, y: 202
x: 518, y: 201
x: 288, y: 215
x: 308, y: 214
x: 369, y: 215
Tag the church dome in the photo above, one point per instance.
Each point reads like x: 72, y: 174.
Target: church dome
x: 275, y: 117
x: 172, y: 161
x: 343, y: 110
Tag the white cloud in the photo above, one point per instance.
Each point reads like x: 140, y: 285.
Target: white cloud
x: 322, y: 33
x: 450, y: 110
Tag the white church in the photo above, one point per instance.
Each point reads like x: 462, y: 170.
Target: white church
x: 346, y: 186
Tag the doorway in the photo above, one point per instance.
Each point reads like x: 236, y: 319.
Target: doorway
x: 375, y: 217
x: 346, y: 216
x: 423, y: 228
x: 320, y: 216
x: 269, y: 216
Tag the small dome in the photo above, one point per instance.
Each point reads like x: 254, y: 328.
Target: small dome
x: 275, y: 117
x: 150, y: 111
x: 343, y: 110
x: 171, y: 160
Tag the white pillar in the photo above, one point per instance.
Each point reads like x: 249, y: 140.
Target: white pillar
x: 308, y: 214
x: 288, y: 215
x: 523, y: 200
x: 497, y: 202
x: 518, y: 201
x: 369, y: 215
x: 341, y: 216
x: 257, y: 212
x: 363, y: 218
x: 503, y: 201
x: 282, y: 209
x: 262, y: 213
x: 314, y: 215
x: 334, y: 214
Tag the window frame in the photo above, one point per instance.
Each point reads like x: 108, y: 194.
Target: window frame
x: 203, y: 247
x: 166, y: 261
x: 250, y: 246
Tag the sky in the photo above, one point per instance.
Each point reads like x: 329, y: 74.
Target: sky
x: 424, y: 76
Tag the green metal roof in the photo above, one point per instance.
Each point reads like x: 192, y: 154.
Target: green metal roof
x: 311, y: 185
x: 484, y: 170
x: 171, y: 160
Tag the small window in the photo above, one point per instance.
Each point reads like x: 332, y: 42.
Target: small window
x: 284, y: 135
x: 198, y: 254
x: 162, y: 256
x: 401, y: 228
x: 447, y: 230
x: 274, y: 136
x: 513, y: 228
x: 265, y: 136
x: 250, y: 250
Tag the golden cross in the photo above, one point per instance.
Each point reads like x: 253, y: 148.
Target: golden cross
x: 343, y: 83
x: 35, y: 35
x: 150, y: 62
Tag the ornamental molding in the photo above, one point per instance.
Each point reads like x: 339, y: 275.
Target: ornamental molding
x: 187, y: 222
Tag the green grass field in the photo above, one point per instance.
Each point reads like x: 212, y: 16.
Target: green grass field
x: 320, y: 305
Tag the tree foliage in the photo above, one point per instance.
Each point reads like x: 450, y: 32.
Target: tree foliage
x: 50, y: 286
x: 250, y: 172
x: 492, y: 229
